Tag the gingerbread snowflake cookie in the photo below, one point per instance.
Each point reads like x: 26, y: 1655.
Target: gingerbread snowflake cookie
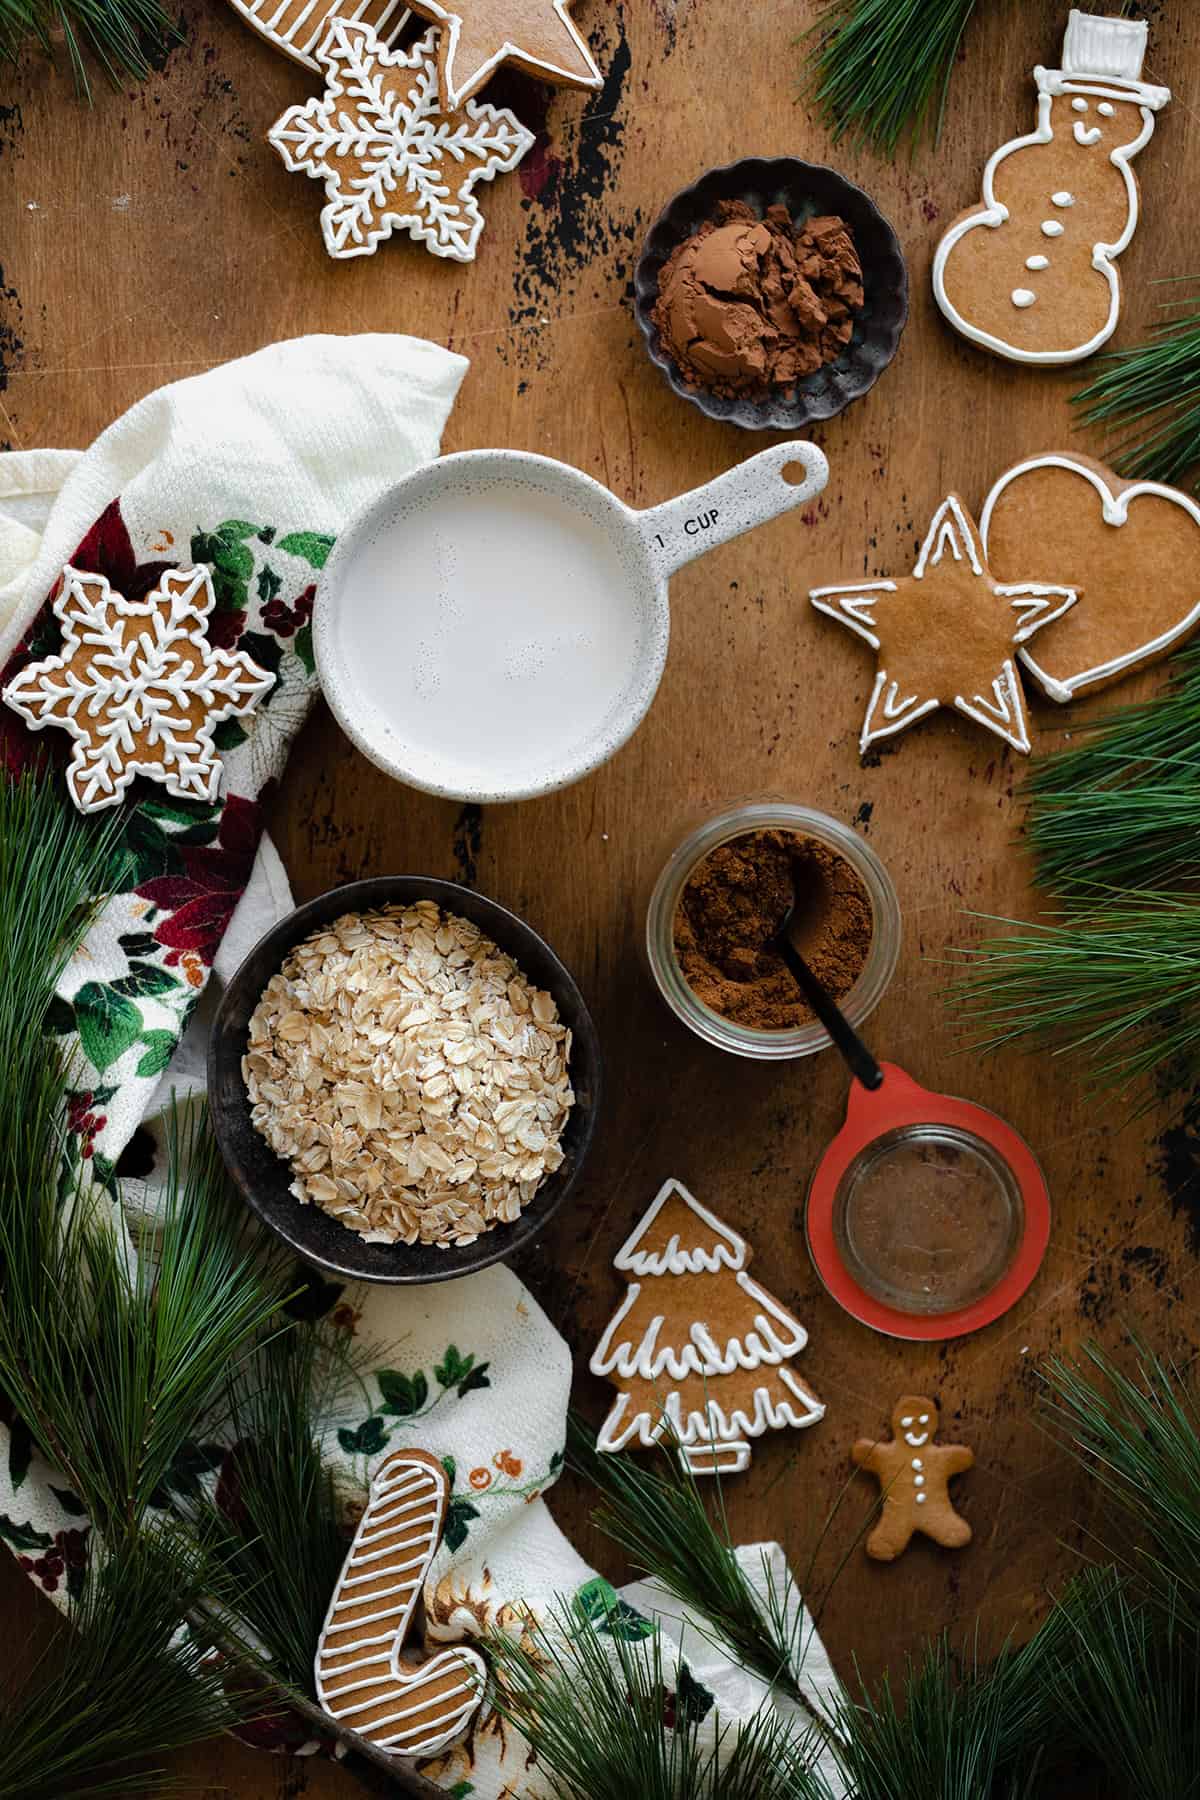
x: 697, y: 1350
x: 364, y: 1679
x: 478, y: 35
x: 1131, y: 547
x: 946, y: 635
x: 1031, y: 275
x: 386, y: 151
x: 914, y: 1475
x: 138, y: 686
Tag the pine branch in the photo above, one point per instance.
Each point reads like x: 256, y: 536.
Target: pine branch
x: 1125, y: 1686
x: 605, y: 1723
x: 957, y: 1732
x: 1148, y: 399
x: 1112, y: 976
x: 125, y: 37
x: 1138, y: 1435
x: 124, y: 1688
x: 660, y: 1521
x: 1113, y: 980
x: 878, y: 69
x: 279, y: 1493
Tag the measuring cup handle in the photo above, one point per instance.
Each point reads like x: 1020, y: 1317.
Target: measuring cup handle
x: 759, y: 489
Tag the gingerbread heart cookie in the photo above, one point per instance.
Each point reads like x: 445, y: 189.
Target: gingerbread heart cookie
x: 1131, y: 549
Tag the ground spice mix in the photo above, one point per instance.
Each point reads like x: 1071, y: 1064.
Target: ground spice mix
x: 734, y: 902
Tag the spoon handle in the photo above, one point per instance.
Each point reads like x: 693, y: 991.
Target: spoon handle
x: 861, y: 1063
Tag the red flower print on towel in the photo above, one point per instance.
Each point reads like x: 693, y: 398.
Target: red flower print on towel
x: 200, y: 902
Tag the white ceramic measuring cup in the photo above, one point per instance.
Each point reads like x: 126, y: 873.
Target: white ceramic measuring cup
x: 495, y: 626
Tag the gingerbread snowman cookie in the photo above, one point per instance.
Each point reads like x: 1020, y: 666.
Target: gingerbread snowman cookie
x: 1031, y: 275
x: 914, y: 1475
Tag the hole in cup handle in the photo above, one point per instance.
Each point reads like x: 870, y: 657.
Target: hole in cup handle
x: 761, y: 488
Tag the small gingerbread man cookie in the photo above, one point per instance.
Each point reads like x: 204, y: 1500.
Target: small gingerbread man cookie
x: 914, y: 1474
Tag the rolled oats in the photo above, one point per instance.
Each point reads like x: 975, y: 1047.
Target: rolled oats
x: 413, y: 1079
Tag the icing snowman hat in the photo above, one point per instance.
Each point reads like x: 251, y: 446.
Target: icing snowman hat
x: 1103, y: 56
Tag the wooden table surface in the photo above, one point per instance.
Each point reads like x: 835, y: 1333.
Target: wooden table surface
x: 158, y: 233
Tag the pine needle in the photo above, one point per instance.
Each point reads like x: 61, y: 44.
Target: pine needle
x: 880, y: 68
x: 1148, y: 399
x: 125, y: 37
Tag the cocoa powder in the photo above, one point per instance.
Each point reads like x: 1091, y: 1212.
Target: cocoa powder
x: 734, y: 902
x: 753, y: 306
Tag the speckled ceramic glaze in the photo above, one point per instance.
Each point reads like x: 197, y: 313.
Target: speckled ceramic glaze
x: 265, y: 1180
x: 495, y: 626
x: 807, y: 190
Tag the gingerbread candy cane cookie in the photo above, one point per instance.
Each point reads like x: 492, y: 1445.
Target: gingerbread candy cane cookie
x: 415, y: 1709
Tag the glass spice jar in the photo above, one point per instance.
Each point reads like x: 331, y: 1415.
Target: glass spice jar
x: 736, y: 821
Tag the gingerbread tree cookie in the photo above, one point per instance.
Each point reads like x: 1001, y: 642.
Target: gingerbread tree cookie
x: 946, y: 635
x: 363, y: 1679
x: 478, y: 35
x: 914, y: 1475
x: 698, y: 1349
x: 138, y: 686
x: 1031, y: 275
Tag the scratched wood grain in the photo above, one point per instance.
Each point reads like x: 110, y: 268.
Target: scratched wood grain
x: 157, y: 234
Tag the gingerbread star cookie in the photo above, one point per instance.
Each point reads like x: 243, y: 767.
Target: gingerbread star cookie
x: 914, y: 1475
x: 138, y: 686
x: 478, y: 35
x: 364, y: 1679
x: 947, y: 634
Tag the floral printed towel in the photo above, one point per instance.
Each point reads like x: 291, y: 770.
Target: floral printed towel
x: 250, y: 468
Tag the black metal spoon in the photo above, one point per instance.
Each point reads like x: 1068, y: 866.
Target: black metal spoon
x: 861, y: 1063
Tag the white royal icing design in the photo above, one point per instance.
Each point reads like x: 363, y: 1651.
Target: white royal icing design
x: 148, y: 662
x: 1106, y: 108
x: 1052, y: 228
x: 1074, y: 80
x: 388, y: 154
x: 1115, y: 509
x: 889, y: 710
x: 297, y: 26
x: 1023, y: 296
x: 397, y: 1537
x: 449, y: 17
x: 1062, y: 198
x: 1037, y: 262
x: 714, y: 1435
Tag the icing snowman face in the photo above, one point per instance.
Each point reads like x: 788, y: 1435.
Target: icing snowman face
x: 1096, y: 123
x: 915, y: 1421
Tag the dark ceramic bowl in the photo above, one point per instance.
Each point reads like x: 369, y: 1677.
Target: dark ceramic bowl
x: 807, y: 190
x: 264, y: 1179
